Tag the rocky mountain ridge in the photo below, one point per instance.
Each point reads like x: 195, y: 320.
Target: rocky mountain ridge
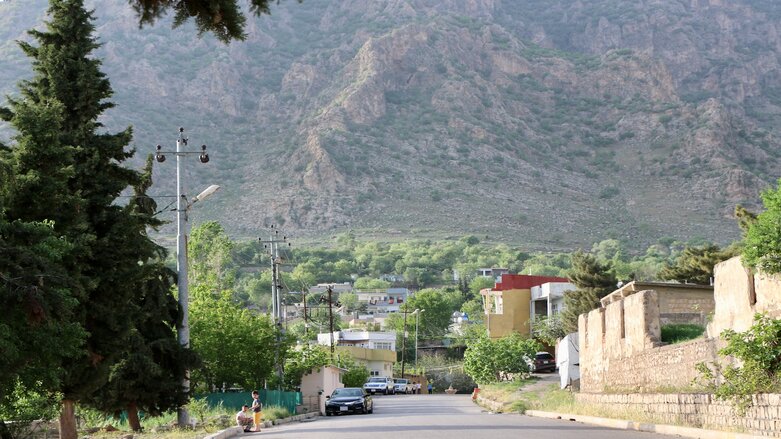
x: 553, y: 124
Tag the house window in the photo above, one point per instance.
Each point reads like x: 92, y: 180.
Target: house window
x: 375, y: 373
x: 554, y: 308
x: 382, y: 345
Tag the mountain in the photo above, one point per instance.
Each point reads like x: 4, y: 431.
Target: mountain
x: 552, y: 123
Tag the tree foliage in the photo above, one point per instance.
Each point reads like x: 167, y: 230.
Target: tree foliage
x: 149, y: 374
x: 759, y: 351
x: 695, y: 264
x: 487, y: 360
x: 236, y: 346
x: 66, y: 171
x: 594, y: 280
x: 223, y: 18
x: 301, y: 360
x: 762, y: 248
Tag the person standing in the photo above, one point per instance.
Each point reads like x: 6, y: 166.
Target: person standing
x: 257, y: 409
x: 430, y: 388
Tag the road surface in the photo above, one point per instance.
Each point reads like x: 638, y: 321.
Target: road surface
x: 440, y: 417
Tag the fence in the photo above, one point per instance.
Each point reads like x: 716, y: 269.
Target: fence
x: 234, y: 400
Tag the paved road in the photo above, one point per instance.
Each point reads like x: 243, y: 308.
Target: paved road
x: 441, y: 417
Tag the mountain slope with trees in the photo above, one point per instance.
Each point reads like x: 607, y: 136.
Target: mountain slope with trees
x: 550, y: 123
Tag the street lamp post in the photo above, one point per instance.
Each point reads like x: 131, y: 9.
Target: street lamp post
x: 183, y: 205
x: 417, y: 313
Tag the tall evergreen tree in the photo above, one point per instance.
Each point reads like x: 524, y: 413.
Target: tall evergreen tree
x: 149, y: 374
x: 594, y: 280
x: 36, y: 326
x: 68, y: 92
x: 695, y: 264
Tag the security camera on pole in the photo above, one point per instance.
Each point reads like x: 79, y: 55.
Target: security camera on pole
x: 183, y: 205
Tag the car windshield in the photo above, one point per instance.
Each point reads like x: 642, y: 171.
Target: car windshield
x: 544, y: 356
x: 347, y: 392
x: 377, y: 380
x: 400, y: 381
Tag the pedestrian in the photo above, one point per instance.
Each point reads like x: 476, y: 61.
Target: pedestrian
x: 243, y: 419
x: 430, y: 388
x: 417, y: 388
x: 257, y: 409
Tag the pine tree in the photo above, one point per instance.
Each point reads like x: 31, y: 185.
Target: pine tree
x: 150, y: 372
x: 66, y: 171
x: 695, y: 264
x: 593, y: 280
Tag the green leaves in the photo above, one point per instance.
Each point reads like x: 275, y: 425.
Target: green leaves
x: 762, y: 247
x: 488, y: 361
x: 759, y: 353
x: 222, y: 18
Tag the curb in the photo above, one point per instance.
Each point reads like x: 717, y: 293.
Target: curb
x: 238, y: 431
x: 645, y: 427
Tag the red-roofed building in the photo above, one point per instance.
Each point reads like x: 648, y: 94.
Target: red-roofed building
x: 508, y: 305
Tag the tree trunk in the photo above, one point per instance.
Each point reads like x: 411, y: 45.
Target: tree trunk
x: 132, y: 417
x: 68, y: 420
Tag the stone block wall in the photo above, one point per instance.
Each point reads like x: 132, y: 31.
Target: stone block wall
x: 621, y: 351
x: 698, y: 410
x: 739, y: 294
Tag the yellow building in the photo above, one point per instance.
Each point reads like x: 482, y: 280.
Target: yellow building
x: 379, y: 362
x: 507, y: 305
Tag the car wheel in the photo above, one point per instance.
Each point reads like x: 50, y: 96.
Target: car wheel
x: 385, y: 392
x: 328, y: 413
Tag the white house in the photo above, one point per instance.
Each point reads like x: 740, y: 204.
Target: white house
x: 548, y: 299
x: 362, y: 339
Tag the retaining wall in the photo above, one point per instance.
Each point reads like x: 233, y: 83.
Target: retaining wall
x: 698, y: 410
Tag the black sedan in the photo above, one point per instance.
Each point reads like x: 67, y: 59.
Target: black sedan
x: 348, y: 400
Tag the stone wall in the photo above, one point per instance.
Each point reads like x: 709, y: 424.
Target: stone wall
x: 700, y: 410
x: 621, y: 349
x: 739, y: 295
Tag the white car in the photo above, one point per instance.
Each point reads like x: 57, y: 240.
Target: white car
x: 402, y: 385
x: 380, y: 384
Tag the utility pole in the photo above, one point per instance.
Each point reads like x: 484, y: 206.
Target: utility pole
x: 182, y: 206
x: 404, y: 341
x: 277, y: 312
x: 330, y: 301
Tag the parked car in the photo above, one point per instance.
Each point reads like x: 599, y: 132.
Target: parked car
x: 543, y: 362
x: 348, y: 400
x: 402, y: 385
x: 380, y: 384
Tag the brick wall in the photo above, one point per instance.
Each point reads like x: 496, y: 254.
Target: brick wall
x: 698, y: 410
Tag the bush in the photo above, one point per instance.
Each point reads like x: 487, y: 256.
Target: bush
x: 758, y: 351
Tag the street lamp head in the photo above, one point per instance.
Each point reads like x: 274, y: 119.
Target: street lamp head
x: 204, y: 157
x: 159, y: 156
x: 207, y: 192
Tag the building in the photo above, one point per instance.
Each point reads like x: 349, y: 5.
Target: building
x: 507, y: 306
x: 548, y: 299
x: 362, y: 339
x: 385, y: 301
x: 375, y: 350
x: 495, y: 273
x: 678, y: 303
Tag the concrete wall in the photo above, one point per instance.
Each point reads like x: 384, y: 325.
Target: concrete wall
x: 701, y: 410
x: 319, y: 383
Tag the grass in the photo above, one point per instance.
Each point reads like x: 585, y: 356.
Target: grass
x: 217, y: 418
x: 680, y: 332
x: 504, y: 392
